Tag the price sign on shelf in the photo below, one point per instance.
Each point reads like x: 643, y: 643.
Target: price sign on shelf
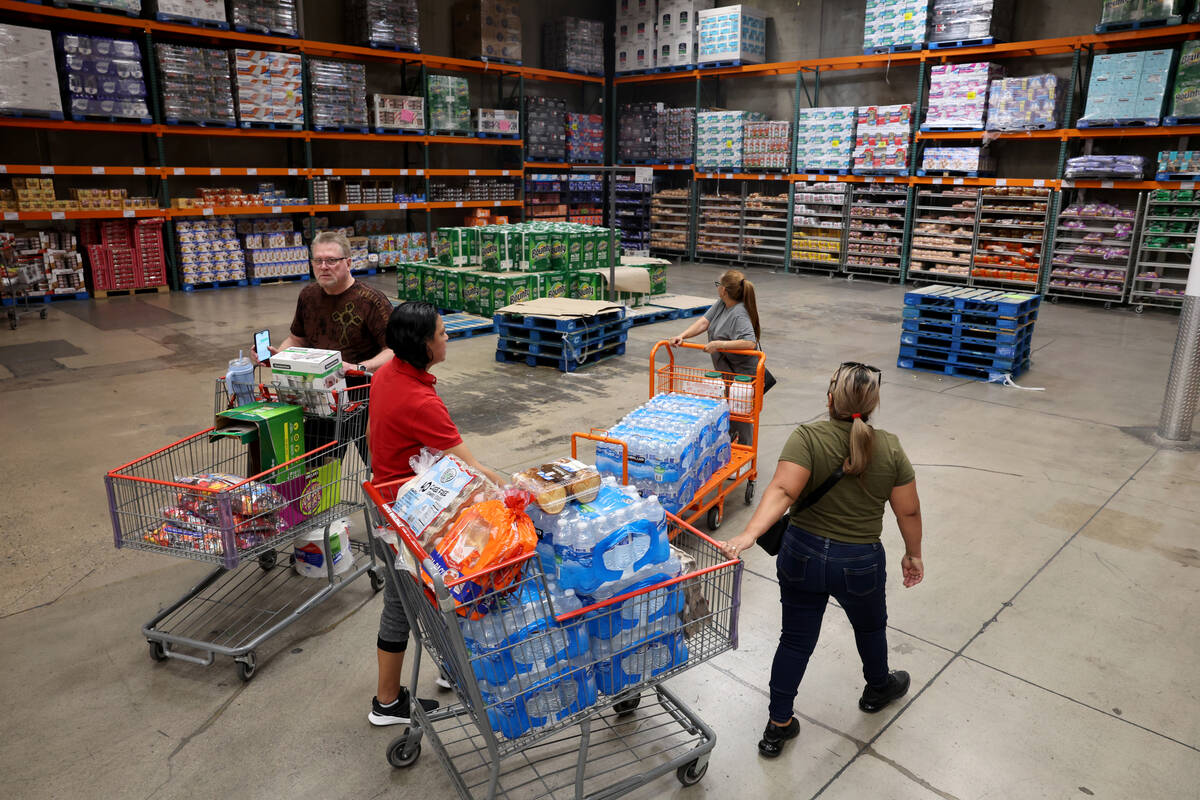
x: 643, y: 174
x: 1187, y: 185
x: 58, y: 215
x: 470, y: 172
x: 1106, y: 184
x: 9, y: 216
x: 343, y: 207
x: 139, y: 170
x: 958, y: 181
x: 214, y: 171
x: 129, y: 212
x: 402, y: 206
x: 496, y: 203
x: 938, y: 181
x: 276, y: 209
x: 327, y: 171
x: 1002, y: 181
x: 458, y: 203
x: 293, y: 171
x: 366, y: 172
x: 47, y: 170
x: 251, y: 170
x: 1039, y: 182
x: 208, y: 212
x: 97, y: 170
x: 179, y: 170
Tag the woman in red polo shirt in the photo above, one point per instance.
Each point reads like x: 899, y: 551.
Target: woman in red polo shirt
x: 407, y: 415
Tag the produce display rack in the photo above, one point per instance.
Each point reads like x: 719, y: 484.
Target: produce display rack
x: 1164, y: 253
x: 510, y: 80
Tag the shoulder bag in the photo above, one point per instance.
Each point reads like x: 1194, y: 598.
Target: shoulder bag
x: 773, y: 538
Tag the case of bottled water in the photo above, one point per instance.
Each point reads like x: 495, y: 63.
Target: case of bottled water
x: 517, y: 707
x: 638, y: 654
x: 639, y: 610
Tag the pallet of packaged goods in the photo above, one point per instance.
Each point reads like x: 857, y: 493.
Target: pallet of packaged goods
x: 1093, y: 250
x: 1164, y: 255
x: 1012, y: 226
x: 875, y: 235
x: 943, y: 234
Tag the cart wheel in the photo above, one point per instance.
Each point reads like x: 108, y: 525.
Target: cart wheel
x: 627, y: 707
x: 268, y: 560
x: 247, y: 665
x: 157, y: 651
x: 376, y: 580
x: 396, y: 756
x: 690, y: 774
x: 714, y: 518
x: 42, y: 314
x: 849, y: 277
x: 1139, y: 308
x: 1054, y: 299
x: 749, y: 492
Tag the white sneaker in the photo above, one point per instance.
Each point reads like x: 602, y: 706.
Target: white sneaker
x: 443, y: 683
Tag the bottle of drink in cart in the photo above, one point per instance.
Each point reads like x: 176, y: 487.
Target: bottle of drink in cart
x: 741, y: 395
x: 239, y: 380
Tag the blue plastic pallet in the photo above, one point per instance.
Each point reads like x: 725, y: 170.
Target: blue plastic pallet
x: 983, y: 41
x: 556, y: 324
x: 956, y: 345
x: 89, y: 7
x: 179, y: 19
x: 195, y: 123
x: 30, y: 113
x: 953, y: 173
x: 271, y: 126
x: 1119, y: 122
x: 399, y: 131
x: 1176, y: 176
x: 737, y: 62
x: 392, y: 47
x: 279, y: 279
x: 561, y: 363
x: 568, y: 344
x: 491, y: 135
x: 258, y: 29
x: 111, y: 118
x: 1181, y: 120
x: 949, y: 128
x: 465, y: 326
x: 463, y: 134
x: 962, y: 359
x: 516, y: 62
x: 810, y: 171
x: 877, y: 50
x: 1137, y: 25
x: 577, y: 336
x: 941, y: 328
x: 54, y: 298
x: 957, y: 371
x: 342, y: 128
x: 963, y: 319
x: 976, y: 301
x: 196, y: 287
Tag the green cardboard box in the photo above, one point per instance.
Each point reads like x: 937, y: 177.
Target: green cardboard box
x: 274, y: 433
x: 409, y: 281
x: 558, y: 249
x: 508, y: 288
x: 658, y: 277
x: 452, y: 289
x: 473, y: 291
x: 429, y: 283
x: 585, y: 286
x: 554, y: 284
x: 535, y: 251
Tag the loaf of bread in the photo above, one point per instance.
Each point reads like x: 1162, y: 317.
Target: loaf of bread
x: 564, y: 479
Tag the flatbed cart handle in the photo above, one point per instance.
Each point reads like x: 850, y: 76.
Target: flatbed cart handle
x: 758, y: 372
x: 595, y: 437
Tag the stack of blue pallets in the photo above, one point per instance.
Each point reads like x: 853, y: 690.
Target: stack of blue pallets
x: 566, y: 344
x: 980, y: 334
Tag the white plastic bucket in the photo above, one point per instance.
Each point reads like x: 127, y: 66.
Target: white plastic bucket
x: 310, y: 554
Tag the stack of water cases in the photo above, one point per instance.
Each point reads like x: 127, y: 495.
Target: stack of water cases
x: 676, y: 442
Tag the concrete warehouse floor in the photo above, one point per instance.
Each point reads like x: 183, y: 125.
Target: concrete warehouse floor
x: 1052, y: 646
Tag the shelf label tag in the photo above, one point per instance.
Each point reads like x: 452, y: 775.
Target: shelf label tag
x: 366, y: 172
x: 97, y: 170
x: 1039, y: 182
x: 293, y: 171
x: 276, y: 209
x: 1001, y: 182
x: 402, y: 206
x: 643, y: 174
x: 958, y: 181
x: 208, y: 212
x: 47, y: 170
x: 506, y: 172
x: 728, y: 176
x: 458, y: 203
x: 1106, y: 184
x: 214, y: 171
x: 869, y: 179
x: 761, y: 177
x: 343, y: 207
x: 470, y: 172
x: 10, y: 216
x: 251, y: 170
x: 419, y: 172
x: 58, y: 215
x: 129, y: 212
x: 1187, y: 184
x: 139, y: 170
x: 937, y: 181
x: 496, y: 203
x: 3, y: 169
x: 327, y: 171
x: 179, y: 170
x: 889, y: 180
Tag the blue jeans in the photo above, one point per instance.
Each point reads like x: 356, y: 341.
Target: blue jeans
x: 810, y: 569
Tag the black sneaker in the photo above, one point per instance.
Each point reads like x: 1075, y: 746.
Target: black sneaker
x: 774, y: 736
x: 398, y: 711
x: 875, y: 700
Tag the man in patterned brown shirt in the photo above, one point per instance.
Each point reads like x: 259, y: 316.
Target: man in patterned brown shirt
x: 338, y: 312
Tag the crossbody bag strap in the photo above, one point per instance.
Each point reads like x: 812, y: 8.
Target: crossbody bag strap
x: 821, y: 490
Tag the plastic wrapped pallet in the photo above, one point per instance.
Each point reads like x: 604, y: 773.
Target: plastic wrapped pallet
x: 1127, y: 86
x: 545, y: 128
x: 1024, y: 104
x: 338, y: 92
x: 891, y: 23
x: 1129, y: 168
x: 957, y: 159
x: 637, y: 132
x: 571, y: 44
x: 131, y: 7
x: 825, y: 138
x: 958, y: 20
x: 720, y: 138
x: 767, y: 145
x: 585, y: 138
x: 677, y: 27
x: 265, y: 16
x: 487, y: 29
x: 882, y: 141
x: 103, y: 77
x: 28, y: 76
x: 732, y: 33
x: 1122, y: 11
x: 958, y: 95
x: 1185, y: 94
x: 188, y: 10
x: 196, y: 86
x: 269, y: 87
x: 675, y: 135
x: 389, y: 24
x: 398, y: 112
x: 449, y: 103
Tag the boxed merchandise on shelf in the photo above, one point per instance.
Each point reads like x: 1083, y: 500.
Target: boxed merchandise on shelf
x: 767, y: 145
x: 675, y: 135
x: 449, y: 103
x: 571, y: 44
x: 28, y: 74
x: 103, y: 77
x: 636, y: 43
x: 49, y: 256
x: 390, y: 24
x: 732, y: 33
x: 1185, y: 92
x: 1127, y: 86
x: 209, y: 251
x: 273, y: 247
x: 958, y: 95
x: 265, y: 16
x: 1022, y: 104
x: 882, y: 139
x: 123, y: 254
x: 398, y: 112
x: 497, y: 120
x: 338, y: 93
x: 825, y: 138
x: 487, y: 29
x: 967, y: 20
x: 585, y: 138
x: 393, y: 249
x: 957, y: 159
x: 1126, y: 168
x: 269, y: 87
x: 196, y: 85
x: 1117, y: 14
x: 720, y: 138
x: 1178, y: 163
x: 189, y: 10
x: 894, y: 23
x: 545, y: 128
x: 637, y: 132
x: 678, y: 30
x: 1092, y: 250
x: 132, y: 7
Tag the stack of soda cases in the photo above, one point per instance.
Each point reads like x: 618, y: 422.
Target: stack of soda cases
x: 585, y: 198
x: 124, y: 254
x: 338, y: 92
x: 720, y: 138
x: 265, y: 16
x: 767, y: 145
x: 675, y: 136
x: 638, y: 132
x: 449, y: 103
x: 269, y: 87
x: 391, y: 24
x: 195, y: 84
x: 585, y: 138
x: 571, y: 44
x: 676, y: 442
x: 892, y: 23
x: 103, y: 77
x: 545, y: 128
x: 882, y: 142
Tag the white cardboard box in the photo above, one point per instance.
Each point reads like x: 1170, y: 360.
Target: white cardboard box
x: 732, y: 33
x: 311, y: 375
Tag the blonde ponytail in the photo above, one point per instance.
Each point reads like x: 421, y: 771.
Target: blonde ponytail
x: 853, y: 396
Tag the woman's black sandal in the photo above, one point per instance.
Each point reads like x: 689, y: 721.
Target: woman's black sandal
x: 774, y: 737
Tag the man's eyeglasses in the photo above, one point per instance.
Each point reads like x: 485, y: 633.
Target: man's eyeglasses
x: 328, y: 262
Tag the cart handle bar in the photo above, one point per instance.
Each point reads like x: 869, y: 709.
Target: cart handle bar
x: 599, y: 437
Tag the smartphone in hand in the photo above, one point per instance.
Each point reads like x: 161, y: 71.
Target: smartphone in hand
x: 262, y: 346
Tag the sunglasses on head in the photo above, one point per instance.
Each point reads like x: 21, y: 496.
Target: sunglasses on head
x: 856, y: 365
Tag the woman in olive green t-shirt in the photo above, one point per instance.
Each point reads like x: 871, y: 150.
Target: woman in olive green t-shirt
x: 832, y: 547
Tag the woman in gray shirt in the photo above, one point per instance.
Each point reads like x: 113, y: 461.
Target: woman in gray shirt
x: 732, y: 324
